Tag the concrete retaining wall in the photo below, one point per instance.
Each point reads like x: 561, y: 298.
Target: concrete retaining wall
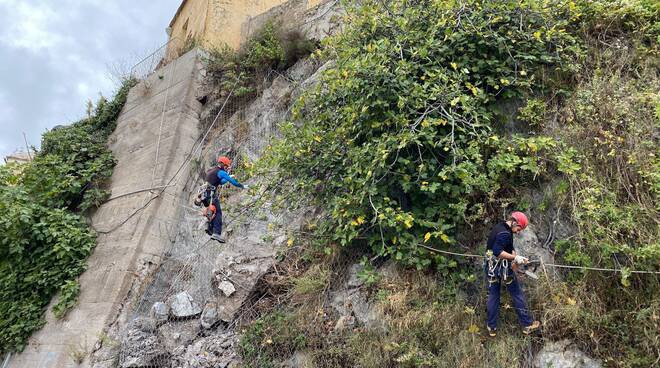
x: 164, y: 105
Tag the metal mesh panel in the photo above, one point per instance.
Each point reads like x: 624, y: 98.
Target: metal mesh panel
x: 155, y: 60
x: 241, y: 128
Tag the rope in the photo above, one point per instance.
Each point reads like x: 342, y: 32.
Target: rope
x: 162, y: 119
x: 137, y: 192
x: 196, y: 146
x: 599, y: 269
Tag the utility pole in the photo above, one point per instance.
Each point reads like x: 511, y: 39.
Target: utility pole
x: 27, y: 146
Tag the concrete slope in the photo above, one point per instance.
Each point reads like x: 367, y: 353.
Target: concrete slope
x: 156, y: 130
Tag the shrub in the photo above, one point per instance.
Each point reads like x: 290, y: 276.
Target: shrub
x: 398, y: 142
x: 272, y: 48
x: 45, y: 240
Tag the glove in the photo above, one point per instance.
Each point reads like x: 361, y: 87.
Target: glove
x: 520, y: 260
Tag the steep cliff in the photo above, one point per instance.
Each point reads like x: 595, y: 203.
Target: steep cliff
x: 375, y: 169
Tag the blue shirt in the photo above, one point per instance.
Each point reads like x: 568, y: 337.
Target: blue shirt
x: 226, y: 178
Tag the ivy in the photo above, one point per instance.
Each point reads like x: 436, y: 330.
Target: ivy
x: 45, y: 238
x: 399, y: 142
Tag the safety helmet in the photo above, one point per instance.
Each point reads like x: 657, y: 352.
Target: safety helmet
x: 520, y: 218
x: 224, y: 160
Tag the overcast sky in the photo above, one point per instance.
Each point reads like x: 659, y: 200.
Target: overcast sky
x: 55, y: 55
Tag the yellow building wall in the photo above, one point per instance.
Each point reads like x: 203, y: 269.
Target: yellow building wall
x: 190, y: 24
x: 214, y: 23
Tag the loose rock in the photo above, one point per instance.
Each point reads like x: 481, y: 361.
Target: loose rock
x: 141, y: 348
x: 563, y: 354
x: 176, y: 334
x: 210, y: 352
x: 227, y: 288
x: 182, y: 305
x: 210, y: 316
x: 160, y: 312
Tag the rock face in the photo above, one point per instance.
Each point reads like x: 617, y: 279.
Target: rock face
x: 563, y: 354
x: 351, y: 302
x: 528, y: 245
x: 182, y: 305
x: 210, y: 352
x: 253, y: 233
x: 141, y: 347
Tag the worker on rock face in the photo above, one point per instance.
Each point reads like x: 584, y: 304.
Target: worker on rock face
x: 500, y: 258
x: 215, y: 178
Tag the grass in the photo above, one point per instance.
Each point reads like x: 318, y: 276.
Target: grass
x: 425, y: 325
x: 313, y: 281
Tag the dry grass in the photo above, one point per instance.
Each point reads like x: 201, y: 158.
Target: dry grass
x: 78, y: 353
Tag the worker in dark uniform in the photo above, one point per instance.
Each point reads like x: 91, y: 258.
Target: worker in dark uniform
x: 215, y: 178
x: 500, y: 258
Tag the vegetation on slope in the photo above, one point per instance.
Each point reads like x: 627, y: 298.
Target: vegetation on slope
x: 272, y: 48
x: 45, y: 238
x: 410, y: 140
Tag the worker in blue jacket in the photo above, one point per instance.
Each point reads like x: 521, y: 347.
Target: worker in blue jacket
x: 500, y: 258
x: 215, y: 178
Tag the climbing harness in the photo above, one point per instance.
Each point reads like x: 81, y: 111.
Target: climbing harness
x: 496, y: 266
x: 205, y: 194
x: 497, y: 269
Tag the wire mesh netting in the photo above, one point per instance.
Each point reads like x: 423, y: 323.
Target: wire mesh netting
x: 183, y: 313
x: 155, y: 60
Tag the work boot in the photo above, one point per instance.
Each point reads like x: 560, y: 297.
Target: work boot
x: 492, y: 332
x: 217, y: 238
x: 531, y: 328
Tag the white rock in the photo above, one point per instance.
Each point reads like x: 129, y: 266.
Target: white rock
x: 227, y: 288
x: 563, y: 354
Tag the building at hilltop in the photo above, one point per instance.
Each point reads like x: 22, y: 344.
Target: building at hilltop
x: 214, y: 23
x: 20, y: 157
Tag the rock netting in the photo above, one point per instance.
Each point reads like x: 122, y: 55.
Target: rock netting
x: 141, y: 347
x: 216, y: 351
x: 182, y: 305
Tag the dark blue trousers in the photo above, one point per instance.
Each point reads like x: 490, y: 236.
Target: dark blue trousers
x: 517, y: 297
x: 216, y: 224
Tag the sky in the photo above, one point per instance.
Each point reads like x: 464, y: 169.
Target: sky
x: 56, y: 55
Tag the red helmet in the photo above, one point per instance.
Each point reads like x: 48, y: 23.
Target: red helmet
x: 224, y: 160
x: 521, y: 219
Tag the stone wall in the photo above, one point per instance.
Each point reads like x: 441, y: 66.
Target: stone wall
x: 214, y: 23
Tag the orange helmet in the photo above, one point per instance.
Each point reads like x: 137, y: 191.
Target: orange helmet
x: 224, y: 160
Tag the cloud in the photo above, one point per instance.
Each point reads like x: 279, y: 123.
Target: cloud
x: 29, y: 28
x: 55, y: 57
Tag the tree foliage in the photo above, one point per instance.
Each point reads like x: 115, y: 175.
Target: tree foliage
x: 434, y: 113
x: 401, y: 140
x: 45, y: 239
